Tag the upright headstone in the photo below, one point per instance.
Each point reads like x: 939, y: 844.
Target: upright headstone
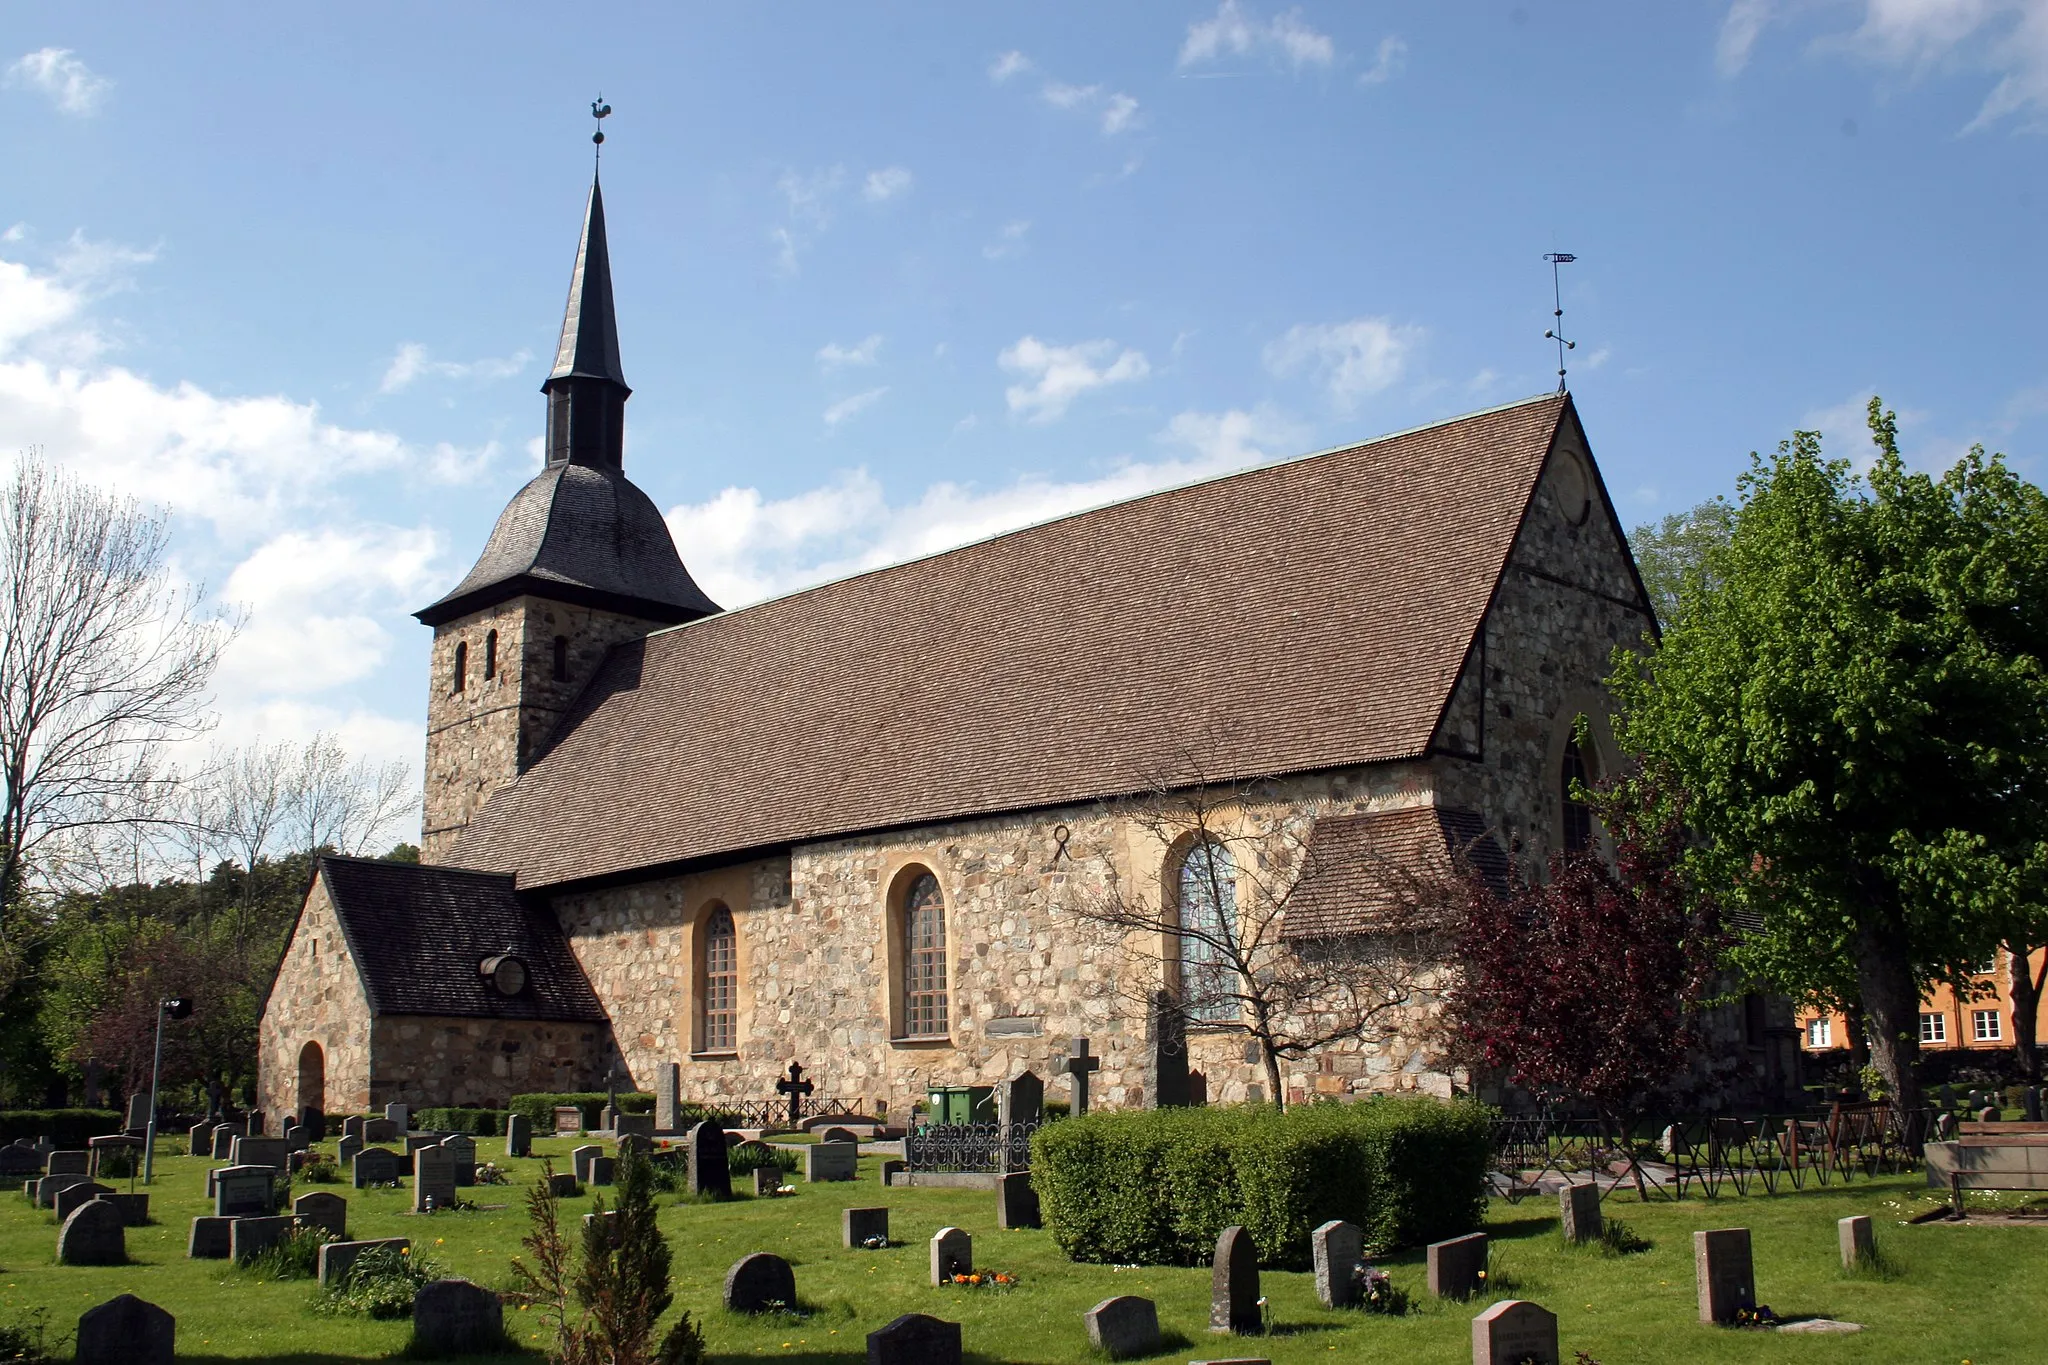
x: 568, y: 1119
x: 1579, y: 1208
x: 133, y: 1208
x: 858, y: 1227
x: 518, y: 1135
x: 1080, y: 1065
x: 952, y: 1254
x: 580, y: 1159
x: 91, y: 1097
x: 296, y: 1137
x: 1858, y: 1241
x: 456, y: 1317
x: 259, y: 1151
x: 837, y: 1134
x: 50, y: 1186
x: 604, y: 1170
x: 337, y: 1257
x: 1513, y: 1332
x: 433, y: 1179
x: 93, y: 1235
x: 322, y: 1210
x: 210, y: 1239
x: 562, y: 1184
x: 1338, y: 1247
x: 345, y: 1150
x: 1021, y: 1100
x: 352, y: 1126
x: 313, y: 1119
x: 760, y: 1282
x: 1457, y: 1266
x: 244, y: 1192
x: 767, y: 1180
x: 1234, y: 1284
x: 224, y: 1136
x: 249, y: 1238
x: 138, y: 1116
x: 374, y: 1166
x: 199, y: 1142
x: 126, y: 1331
x: 68, y: 1163
x: 400, y: 1116
x: 461, y: 1149
x: 67, y: 1201
x: 2030, y: 1103
x: 709, y: 1170
x: 379, y: 1130
x: 634, y: 1126
x: 832, y: 1161
x: 609, y: 1119
x: 1724, y: 1273
x: 1016, y: 1201
x: 915, y: 1339
x: 1169, y: 1052
x: 1123, y: 1326
x: 668, y: 1097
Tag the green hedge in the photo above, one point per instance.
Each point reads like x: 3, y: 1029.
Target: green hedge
x: 540, y: 1109
x: 1156, y: 1187
x: 68, y: 1128
x: 475, y: 1122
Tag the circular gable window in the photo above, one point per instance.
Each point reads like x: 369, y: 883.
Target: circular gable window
x: 506, y: 973
x: 1572, y: 487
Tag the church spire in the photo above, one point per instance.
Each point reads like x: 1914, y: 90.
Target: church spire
x: 587, y: 391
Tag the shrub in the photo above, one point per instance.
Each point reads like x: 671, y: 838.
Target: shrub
x: 744, y: 1158
x: 320, y: 1170
x: 1158, y: 1186
x: 540, y: 1108
x: 381, y: 1284
x: 25, y: 1340
x: 294, y: 1256
x: 68, y: 1128
x: 474, y: 1122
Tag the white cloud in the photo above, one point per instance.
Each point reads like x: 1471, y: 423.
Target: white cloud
x: 886, y: 184
x: 1234, y: 31
x: 852, y: 407
x: 1009, y: 240
x: 1008, y: 65
x: 1054, y: 376
x: 1739, y: 31
x: 1352, y: 359
x: 71, y: 85
x: 833, y: 356
x: 1600, y: 356
x: 1115, y: 110
x: 807, y: 202
x: 1388, y: 62
x: 412, y: 361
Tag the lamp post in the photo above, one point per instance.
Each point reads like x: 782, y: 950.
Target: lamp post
x: 177, y: 1007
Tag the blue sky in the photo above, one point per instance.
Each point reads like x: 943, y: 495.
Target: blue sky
x: 893, y: 276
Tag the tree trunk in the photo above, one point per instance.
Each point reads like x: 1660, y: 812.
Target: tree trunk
x: 1272, y: 1061
x: 1891, y: 1006
x: 2025, y: 989
x: 1859, y: 1036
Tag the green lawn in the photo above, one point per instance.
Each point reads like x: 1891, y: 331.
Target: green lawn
x: 1960, y: 1293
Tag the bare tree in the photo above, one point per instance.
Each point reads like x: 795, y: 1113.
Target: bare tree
x: 330, y: 801
x: 1213, y: 944
x: 104, y: 659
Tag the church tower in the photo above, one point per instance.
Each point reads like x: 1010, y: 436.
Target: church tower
x: 579, y: 561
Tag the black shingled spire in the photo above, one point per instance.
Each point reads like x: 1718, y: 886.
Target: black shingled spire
x: 587, y: 392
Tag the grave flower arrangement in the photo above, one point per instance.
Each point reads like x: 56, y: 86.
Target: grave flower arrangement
x: 984, y: 1279
x: 876, y: 1243
x: 491, y: 1173
x: 1759, y: 1316
x: 1377, y: 1292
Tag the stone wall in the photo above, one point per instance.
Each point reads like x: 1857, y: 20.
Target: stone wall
x: 317, y: 998
x: 435, y: 1060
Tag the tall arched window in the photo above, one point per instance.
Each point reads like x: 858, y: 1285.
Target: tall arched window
x: 721, y: 994
x: 924, y: 959
x: 461, y: 665
x: 561, y: 658
x: 1207, y: 898
x: 491, y: 655
x: 1578, y: 817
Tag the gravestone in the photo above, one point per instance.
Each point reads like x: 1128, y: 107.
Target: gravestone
x: 1234, y: 1284
x: 249, y: 1238
x: 433, y: 1179
x: 1513, y: 1332
x: 210, y: 1239
x: 68, y: 1163
x: 313, y: 1119
x: 68, y: 1199
x: 837, y: 1134
x: 668, y: 1098
x: 352, y: 1126
x: 379, y: 1130
x: 296, y: 1137
x: 952, y: 1254
x: 1858, y: 1241
x: 92, y: 1235
x: 322, y: 1210
x: 767, y: 1180
x: 337, y: 1257
x: 50, y: 1186
x: 1016, y: 1201
x: 244, y: 1192
x: 634, y: 1126
x: 415, y: 1141
x: 259, y: 1151
x: 199, y: 1142
x: 859, y: 1226
x: 1579, y: 1208
x: 133, y: 1208
x: 710, y: 1172
x: 1123, y: 1326
x: 832, y: 1161
x: 889, y: 1168
x: 345, y: 1151
x: 1169, y: 1053
x: 518, y: 1135
x: 2030, y: 1104
x: 456, y: 1317
x: 1021, y: 1100
x: 603, y: 1170
x: 1948, y: 1096
x: 461, y: 1150
x: 915, y: 1339
x: 1724, y: 1273
x: 580, y: 1159
x: 633, y: 1142
x: 796, y: 1087
x: 568, y: 1119
x: 126, y: 1331
x: 758, y: 1283
x: 1338, y: 1248
x: 1989, y: 1114
x: 563, y: 1185
x: 138, y: 1114
x: 400, y: 1116
x: 374, y: 1166
x: 1079, y: 1064
x: 1457, y: 1267
x: 224, y: 1137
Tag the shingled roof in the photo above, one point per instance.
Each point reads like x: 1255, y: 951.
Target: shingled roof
x: 1300, y: 616
x: 417, y: 934
x: 1379, y: 870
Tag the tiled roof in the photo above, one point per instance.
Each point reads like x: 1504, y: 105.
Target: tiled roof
x: 1380, y: 870
x: 417, y: 934
x: 1306, y: 615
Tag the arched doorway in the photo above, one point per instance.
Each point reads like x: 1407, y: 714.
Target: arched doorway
x: 312, y: 1078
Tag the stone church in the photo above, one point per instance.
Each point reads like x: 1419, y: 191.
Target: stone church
x: 848, y: 826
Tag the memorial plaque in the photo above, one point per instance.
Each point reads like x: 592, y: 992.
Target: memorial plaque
x: 375, y: 1166
x: 1723, y: 1272
x: 1578, y: 1207
x: 1457, y: 1266
x: 1514, y: 1332
x: 244, y: 1192
x: 433, y: 1179
x: 832, y: 1161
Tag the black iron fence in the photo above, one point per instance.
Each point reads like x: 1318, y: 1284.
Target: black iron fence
x: 969, y: 1147
x: 772, y: 1113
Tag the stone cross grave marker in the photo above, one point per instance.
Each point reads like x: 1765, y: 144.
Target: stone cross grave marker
x: 374, y: 1166
x: 1079, y: 1064
x: 1513, y: 1332
x: 461, y: 1149
x: 668, y: 1097
x: 915, y: 1339
x: 1578, y: 1206
x: 126, y: 1331
x: 1016, y: 1201
x: 1123, y: 1326
x: 93, y: 1235
x: 1338, y: 1247
x: 518, y: 1135
x: 858, y: 1227
x: 760, y: 1282
x: 832, y: 1161
x: 1859, y: 1242
x: 952, y: 1254
x: 1724, y: 1273
x: 1457, y: 1266
x: 244, y: 1192
x: 1234, y: 1285
x: 433, y: 1179
x: 322, y: 1210
x: 610, y: 1118
x: 796, y: 1087
x: 456, y: 1317
x: 710, y: 1168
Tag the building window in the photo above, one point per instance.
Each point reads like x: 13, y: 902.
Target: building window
x: 1820, y: 1032
x: 1988, y: 967
x: 491, y: 655
x: 924, y: 959
x: 1984, y: 1024
x: 1572, y: 775
x: 1208, y: 920
x: 561, y: 658
x: 461, y: 664
x: 1934, y: 1028
x: 721, y: 982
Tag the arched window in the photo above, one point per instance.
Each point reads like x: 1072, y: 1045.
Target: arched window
x: 312, y: 1078
x: 491, y: 655
x: 721, y: 995
x: 561, y: 658
x: 461, y: 664
x: 1207, y: 899
x: 924, y: 959
x: 1578, y: 817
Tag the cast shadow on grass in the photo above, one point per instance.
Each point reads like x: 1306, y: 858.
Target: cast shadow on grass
x: 1171, y: 1343
x: 1880, y: 1265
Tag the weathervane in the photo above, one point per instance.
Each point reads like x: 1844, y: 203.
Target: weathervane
x: 599, y: 110
x: 1556, y: 333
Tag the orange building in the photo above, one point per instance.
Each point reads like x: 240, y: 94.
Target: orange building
x: 1978, y: 1018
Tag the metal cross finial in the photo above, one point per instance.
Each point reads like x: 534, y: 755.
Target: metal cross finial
x: 599, y: 110
x: 1556, y: 332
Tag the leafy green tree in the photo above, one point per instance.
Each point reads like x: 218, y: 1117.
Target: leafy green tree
x: 1856, y: 704
x: 1673, y: 555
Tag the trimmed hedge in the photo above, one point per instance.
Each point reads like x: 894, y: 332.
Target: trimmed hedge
x: 1156, y: 1187
x: 68, y: 1128
x: 540, y: 1108
x: 474, y: 1122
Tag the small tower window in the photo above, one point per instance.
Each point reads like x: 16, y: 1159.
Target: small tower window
x: 561, y: 658
x: 491, y: 655
x: 461, y: 665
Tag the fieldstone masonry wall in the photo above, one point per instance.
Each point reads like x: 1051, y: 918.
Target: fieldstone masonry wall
x: 428, y: 1059
x: 317, y: 998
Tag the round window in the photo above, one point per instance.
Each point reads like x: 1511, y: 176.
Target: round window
x: 1571, y: 487
x: 506, y: 973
